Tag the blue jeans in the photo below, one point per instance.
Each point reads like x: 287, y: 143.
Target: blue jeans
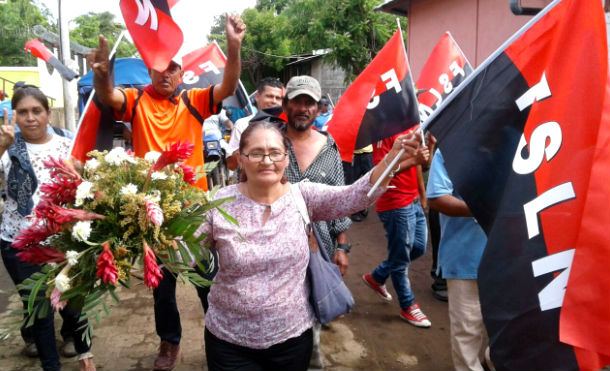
x: 42, y: 332
x: 407, y: 234
x: 167, y: 316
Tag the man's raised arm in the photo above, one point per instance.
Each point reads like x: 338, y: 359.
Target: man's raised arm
x: 107, y: 94
x: 235, y: 30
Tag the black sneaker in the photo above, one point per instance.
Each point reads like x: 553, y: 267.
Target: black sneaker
x: 357, y: 217
x: 439, y: 289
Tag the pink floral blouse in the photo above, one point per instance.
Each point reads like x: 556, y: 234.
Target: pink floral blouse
x: 260, y: 297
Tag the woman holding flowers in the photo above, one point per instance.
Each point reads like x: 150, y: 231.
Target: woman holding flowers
x: 21, y: 166
x: 259, y: 315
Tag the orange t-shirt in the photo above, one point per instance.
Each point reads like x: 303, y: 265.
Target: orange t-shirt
x: 158, y: 121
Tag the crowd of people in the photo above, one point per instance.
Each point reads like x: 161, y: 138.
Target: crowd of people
x: 257, y: 312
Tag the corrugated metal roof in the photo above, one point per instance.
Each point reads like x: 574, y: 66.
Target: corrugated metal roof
x: 398, y: 7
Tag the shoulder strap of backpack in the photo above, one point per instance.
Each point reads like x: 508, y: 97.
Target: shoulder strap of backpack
x: 135, y: 104
x: 189, y: 106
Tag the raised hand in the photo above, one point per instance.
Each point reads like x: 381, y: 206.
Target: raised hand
x: 7, y: 131
x: 98, y: 58
x: 235, y: 29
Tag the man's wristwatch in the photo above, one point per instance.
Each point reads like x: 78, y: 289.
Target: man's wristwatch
x: 345, y: 247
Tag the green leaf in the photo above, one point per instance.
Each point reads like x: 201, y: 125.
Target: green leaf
x: 35, y: 289
x: 228, y: 217
x: 114, y: 296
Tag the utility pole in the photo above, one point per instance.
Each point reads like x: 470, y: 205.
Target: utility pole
x: 64, y: 49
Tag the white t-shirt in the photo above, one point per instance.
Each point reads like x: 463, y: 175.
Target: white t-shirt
x: 12, y: 221
x: 238, y: 129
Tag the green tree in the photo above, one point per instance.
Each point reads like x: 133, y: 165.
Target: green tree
x: 17, y: 18
x: 352, y: 29
x: 275, y: 5
x: 265, y: 48
x: 90, y: 25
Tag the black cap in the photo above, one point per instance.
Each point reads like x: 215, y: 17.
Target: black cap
x: 271, y: 114
x: 324, y: 101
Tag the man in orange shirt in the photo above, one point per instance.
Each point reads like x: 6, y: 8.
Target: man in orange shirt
x: 161, y: 115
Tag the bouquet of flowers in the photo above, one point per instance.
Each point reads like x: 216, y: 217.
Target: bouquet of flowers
x: 91, y: 231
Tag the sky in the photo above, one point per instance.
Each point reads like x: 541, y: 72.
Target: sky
x: 197, y: 13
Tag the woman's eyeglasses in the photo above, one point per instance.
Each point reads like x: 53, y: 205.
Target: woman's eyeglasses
x: 275, y: 156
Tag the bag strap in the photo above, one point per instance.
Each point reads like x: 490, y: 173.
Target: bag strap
x: 301, y: 206
x: 310, y: 230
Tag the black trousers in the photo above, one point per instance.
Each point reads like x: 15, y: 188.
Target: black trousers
x: 42, y: 332
x: 293, y: 354
x: 167, y: 316
x: 363, y: 162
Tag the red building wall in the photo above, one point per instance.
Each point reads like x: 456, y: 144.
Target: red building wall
x: 478, y: 26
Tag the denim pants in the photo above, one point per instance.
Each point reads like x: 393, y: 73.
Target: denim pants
x: 42, y: 332
x: 407, y: 234
x: 167, y: 316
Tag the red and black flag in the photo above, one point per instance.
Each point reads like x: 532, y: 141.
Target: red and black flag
x: 380, y: 103
x: 445, y: 69
x: 37, y: 49
x: 155, y: 34
x: 204, y: 67
x: 526, y: 144
x: 96, y: 128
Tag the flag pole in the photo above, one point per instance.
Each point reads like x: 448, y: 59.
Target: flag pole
x: 82, y: 116
x: 385, y: 173
x: 395, y: 159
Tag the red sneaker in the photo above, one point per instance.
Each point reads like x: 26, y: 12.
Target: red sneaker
x: 379, y: 289
x: 415, y: 316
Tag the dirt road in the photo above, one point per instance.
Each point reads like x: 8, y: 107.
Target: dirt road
x: 372, y: 337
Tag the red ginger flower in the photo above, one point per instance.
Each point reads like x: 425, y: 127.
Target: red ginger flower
x: 106, y: 269
x: 41, y: 254
x: 32, y: 235
x: 61, y: 169
x: 188, y: 173
x: 61, y: 190
x: 152, y: 272
x: 175, y: 153
x: 56, y: 301
x: 154, y: 213
x: 55, y: 215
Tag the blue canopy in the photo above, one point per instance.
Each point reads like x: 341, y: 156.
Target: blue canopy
x: 6, y: 104
x: 128, y: 72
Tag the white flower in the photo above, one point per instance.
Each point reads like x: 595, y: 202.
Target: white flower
x: 129, y: 189
x: 152, y: 156
x: 62, y: 282
x: 72, y: 256
x: 81, y: 231
x: 154, y: 196
x: 83, y: 191
x: 158, y: 175
x: 117, y: 156
x: 52, y: 265
x: 92, y: 164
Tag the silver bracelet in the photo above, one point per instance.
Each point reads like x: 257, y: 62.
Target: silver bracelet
x: 392, y: 172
